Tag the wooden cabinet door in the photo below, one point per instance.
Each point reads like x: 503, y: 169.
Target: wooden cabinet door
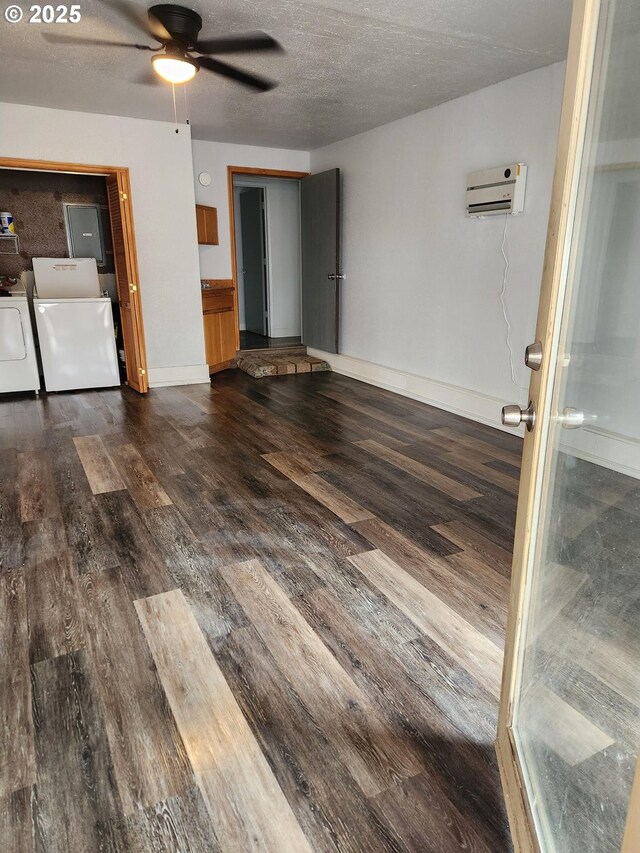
x: 207, y: 225
x: 126, y: 269
x: 219, y: 328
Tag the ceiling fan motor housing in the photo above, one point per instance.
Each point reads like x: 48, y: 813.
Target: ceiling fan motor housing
x: 183, y: 24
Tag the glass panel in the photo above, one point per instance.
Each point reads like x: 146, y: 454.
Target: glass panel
x: 576, y: 722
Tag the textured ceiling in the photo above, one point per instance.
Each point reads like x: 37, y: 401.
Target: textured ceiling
x: 349, y: 65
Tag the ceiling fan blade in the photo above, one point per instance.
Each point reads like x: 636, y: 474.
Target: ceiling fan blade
x: 130, y: 14
x: 157, y: 28
x: 238, y: 44
x: 59, y: 38
x: 225, y: 70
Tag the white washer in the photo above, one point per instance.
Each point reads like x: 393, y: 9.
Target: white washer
x: 75, y: 325
x: 18, y: 363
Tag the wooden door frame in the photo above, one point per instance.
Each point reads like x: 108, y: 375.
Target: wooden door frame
x: 258, y: 173
x: 122, y: 172
x: 534, y: 473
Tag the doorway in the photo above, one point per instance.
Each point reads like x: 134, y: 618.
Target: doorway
x: 268, y: 260
x: 123, y: 248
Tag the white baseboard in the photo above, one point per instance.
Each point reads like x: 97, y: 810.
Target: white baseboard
x: 190, y: 374
x: 608, y: 449
x: 461, y: 401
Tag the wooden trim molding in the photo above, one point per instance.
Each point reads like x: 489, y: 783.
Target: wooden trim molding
x: 52, y: 166
x: 270, y: 173
x: 247, y: 170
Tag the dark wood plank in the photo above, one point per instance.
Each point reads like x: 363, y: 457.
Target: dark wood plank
x: 149, y: 760
x: 316, y: 782
x: 38, y: 499
x: 54, y: 609
x: 76, y: 800
x: 180, y: 823
x: 328, y: 693
x: 145, y: 490
x: 11, y: 544
x: 85, y: 534
x: 17, y: 821
x: 143, y: 568
x: 16, y: 728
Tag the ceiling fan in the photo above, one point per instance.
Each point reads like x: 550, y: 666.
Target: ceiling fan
x: 177, y: 28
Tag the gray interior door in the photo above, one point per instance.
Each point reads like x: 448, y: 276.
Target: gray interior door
x: 254, y: 260
x: 320, y: 214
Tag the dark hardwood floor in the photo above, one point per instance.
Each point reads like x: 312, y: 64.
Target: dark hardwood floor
x: 252, y: 340
x: 263, y: 615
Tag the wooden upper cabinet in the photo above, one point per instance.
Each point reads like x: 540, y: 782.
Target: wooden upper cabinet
x: 207, y: 224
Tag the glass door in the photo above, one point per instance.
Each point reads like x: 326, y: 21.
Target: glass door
x: 569, y: 735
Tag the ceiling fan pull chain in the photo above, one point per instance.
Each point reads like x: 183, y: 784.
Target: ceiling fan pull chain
x: 175, y: 111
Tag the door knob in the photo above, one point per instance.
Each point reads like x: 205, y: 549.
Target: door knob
x: 333, y: 276
x: 533, y: 356
x: 513, y: 416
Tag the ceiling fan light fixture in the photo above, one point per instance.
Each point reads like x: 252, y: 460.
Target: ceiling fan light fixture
x: 174, y: 69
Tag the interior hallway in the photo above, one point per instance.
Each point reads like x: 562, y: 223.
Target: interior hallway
x: 265, y: 615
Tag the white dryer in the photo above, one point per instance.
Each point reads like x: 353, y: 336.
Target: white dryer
x: 75, y: 325
x: 18, y: 363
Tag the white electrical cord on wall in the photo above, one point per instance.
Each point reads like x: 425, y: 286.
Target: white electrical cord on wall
x: 503, y: 293
x: 503, y: 303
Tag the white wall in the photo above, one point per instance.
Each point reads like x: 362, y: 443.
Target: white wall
x: 163, y: 202
x: 214, y: 157
x: 282, y: 208
x: 421, y: 296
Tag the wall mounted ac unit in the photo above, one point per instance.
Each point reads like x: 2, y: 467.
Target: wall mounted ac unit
x: 499, y: 190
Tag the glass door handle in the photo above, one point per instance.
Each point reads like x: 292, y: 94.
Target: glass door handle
x: 572, y: 418
x: 513, y: 416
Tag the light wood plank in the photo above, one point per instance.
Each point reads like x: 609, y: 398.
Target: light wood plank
x: 478, y: 595
x: 373, y: 750
x: 456, y: 490
x: 558, y: 725
x: 101, y: 473
x: 346, y: 509
x: 479, y: 656
x: 145, y: 490
x: 248, y: 808
x: 292, y: 465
